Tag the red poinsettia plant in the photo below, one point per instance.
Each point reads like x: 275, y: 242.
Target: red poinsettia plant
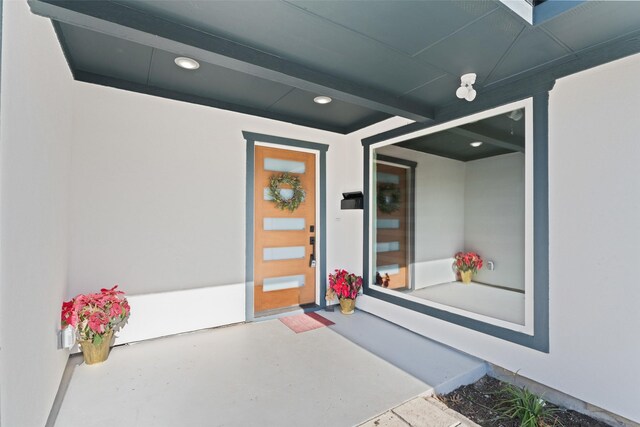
x: 465, y: 261
x: 344, y: 285
x: 96, y: 315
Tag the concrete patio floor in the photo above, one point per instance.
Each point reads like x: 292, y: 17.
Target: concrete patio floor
x: 264, y: 374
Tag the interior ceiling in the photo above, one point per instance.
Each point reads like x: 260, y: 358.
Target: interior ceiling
x: 376, y: 59
x: 499, y: 135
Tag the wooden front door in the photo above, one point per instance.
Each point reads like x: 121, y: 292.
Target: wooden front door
x: 284, y: 241
x: 392, y: 226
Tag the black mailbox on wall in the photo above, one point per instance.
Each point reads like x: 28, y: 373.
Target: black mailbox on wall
x: 353, y: 200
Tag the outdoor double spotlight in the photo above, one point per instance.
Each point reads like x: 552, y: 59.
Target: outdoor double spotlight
x: 466, y: 90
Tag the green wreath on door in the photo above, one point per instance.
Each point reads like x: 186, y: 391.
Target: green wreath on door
x: 388, y: 198
x: 277, y: 183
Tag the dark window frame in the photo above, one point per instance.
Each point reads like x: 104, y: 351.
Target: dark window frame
x: 539, y: 340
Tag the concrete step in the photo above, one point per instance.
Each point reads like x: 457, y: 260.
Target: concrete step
x: 440, y: 366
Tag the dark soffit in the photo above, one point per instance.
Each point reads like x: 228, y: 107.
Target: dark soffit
x: 499, y: 135
x: 376, y: 59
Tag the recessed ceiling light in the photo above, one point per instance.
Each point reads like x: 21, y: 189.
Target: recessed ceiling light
x: 476, y: 144
x: 322, y: 100
x: 187, y: 63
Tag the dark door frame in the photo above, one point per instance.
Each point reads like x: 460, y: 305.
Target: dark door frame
x: 412, y: 209
x: 251, y: 139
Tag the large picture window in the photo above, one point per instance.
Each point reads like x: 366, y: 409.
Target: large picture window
x: 457, y: 199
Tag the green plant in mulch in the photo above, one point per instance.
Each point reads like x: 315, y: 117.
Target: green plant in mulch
x: 528, y: 408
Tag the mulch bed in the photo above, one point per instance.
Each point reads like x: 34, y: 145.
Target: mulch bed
x: 478, y: 402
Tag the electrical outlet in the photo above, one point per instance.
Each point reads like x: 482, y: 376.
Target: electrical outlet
x: 491, y: 265
x: 66, y: 338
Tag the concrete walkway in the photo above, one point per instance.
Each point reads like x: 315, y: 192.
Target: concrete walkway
x: 423, y: 411
x: 265, y: 374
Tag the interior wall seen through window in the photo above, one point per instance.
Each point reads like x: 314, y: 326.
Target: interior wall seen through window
x: 468, y: 197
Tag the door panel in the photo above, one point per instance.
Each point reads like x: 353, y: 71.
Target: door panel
x: 392, y: 228
x: 283, y: 276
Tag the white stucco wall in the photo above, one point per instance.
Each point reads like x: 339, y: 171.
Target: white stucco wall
x: 158, y: 205
x: 494, y: 219
x: 439, y: 213
x: 35, y: 148
x: 594, y: 198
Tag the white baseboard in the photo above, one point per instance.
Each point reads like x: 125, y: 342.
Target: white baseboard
x: 169, y: 313
x: 436, y: 272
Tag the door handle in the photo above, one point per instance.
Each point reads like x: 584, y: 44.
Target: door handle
x: 312, y: 257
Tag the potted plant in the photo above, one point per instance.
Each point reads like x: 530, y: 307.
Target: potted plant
x: 345, y: 286
x: 467, y: 264
x: 95, y: 318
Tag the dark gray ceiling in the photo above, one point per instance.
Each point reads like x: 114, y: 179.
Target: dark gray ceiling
x: 375, y: 58
x: 138, y: 66
x: 499, y: 135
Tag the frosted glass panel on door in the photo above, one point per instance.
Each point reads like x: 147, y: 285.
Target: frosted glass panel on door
x: 387, y: 246
x: 288, y: 252
x: 286, y: 193
x: 389, y: 269
x: 388, y: 223
x: 284, y: 224
x: 284, y: 282
x: 388, y: 178
x: 279, y: 165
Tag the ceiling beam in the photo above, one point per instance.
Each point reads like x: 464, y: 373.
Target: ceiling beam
x: 484, y: 138
x: 83, y: 76
x: 124, y: 22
